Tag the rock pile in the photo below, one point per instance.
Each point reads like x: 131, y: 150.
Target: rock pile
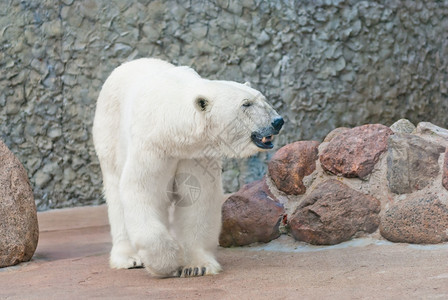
x: 371, y: 178
x: 19, y: 230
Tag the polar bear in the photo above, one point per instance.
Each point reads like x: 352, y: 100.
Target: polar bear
x: 154, y: 123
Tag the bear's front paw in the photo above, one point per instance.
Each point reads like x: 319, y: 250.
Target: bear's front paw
x: 194, y: 271
x: 123, y: 256
x: 164, y: 259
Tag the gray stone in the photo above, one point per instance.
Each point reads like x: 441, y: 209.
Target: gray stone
x: 230, y: 180
x: 121, y: 49
x: 412, y: 162
x: 263, y: 38
x: 41, y: 179
x: 431, y: 129
x: 402, y: 126
x: 19, y: 231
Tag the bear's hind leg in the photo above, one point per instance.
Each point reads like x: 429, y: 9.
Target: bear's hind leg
x: 122, y: 255
x: 197, y: 215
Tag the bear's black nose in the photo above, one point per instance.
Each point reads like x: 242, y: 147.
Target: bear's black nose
x: 278, y: 123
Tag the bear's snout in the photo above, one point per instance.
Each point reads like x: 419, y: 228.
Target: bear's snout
x: 278, y: 124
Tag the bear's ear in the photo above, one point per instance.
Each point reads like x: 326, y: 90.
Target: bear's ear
x: 202, y: 104
x: 247, y: 83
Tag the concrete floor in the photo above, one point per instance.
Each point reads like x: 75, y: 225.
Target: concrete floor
x: 71, y: 262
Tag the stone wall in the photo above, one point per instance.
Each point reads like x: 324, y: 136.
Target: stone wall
x: 322, y: 64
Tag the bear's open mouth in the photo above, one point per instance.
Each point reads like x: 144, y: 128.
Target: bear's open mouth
x: 263, y: 142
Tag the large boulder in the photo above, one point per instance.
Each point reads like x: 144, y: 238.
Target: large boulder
x: 334, y: 213
x: 19, y: 231
x: 416, y: 219
x: 354, y: 152
x: 251, y: 215
x: 412, y: 162
x: 291, y: 163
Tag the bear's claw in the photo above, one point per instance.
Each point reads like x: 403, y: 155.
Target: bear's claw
x: 191, y: 272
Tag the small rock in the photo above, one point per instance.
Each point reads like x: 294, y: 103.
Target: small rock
x: 356, y: 151
x: 334, y: 213
x: 121, y: 49
x: 54, y: 133
x: 445, y: 171
x: 52, y: 28
x: 402, y: 126
x: 19, y: 231
x: 263, y: 38
x: 418, y: 219
x: 291, y: 163
x: 412, y: 162
x: 41, y: 179
x: 230, y: 180
x: 250, y: 215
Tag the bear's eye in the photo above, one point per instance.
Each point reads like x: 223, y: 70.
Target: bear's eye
x: 202, y: 103
x: 247, y: 104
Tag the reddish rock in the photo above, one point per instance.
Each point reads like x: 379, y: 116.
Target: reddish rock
x: 19, y: 230
x: 418, y: 219
x: 412, y: 163
x: 355, y: 152
x: 334, y: 213
x: 445, y: 171
x: 334, y: 133
x: 291, y: 163
x: 250, y: 215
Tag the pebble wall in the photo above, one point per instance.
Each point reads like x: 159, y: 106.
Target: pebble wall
x: 322, y: 64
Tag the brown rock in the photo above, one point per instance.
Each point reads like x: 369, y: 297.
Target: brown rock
x: 291, y: 163
x: 334, y: 213
x: 418, y: 219
x: 250, y: 215
x: 355, y: 152
x: 412, y: 162
x: 445, y: 171
x: 19, y: 230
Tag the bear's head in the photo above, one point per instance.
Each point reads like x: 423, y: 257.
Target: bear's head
x: 239, y: 122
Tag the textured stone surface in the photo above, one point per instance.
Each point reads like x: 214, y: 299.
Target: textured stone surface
x: 445, y: 170
x: 250, y: 215
x: 418, y: 219
x: 402, y: 126
x: 291, y: 163
x: 19, y: 231
x: 412, y: 162
x: 355, y: 152
x: 334, y: 213
x: 322, y: 64
x: 334, y: 133
x: 431, y: 129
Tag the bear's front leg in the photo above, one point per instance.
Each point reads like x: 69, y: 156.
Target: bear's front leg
x: 197, y: 214
x: 145, y: 206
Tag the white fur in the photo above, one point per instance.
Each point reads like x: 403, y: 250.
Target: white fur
x: 148, y: 128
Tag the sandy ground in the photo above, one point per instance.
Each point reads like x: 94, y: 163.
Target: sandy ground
x: 71, y: 262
